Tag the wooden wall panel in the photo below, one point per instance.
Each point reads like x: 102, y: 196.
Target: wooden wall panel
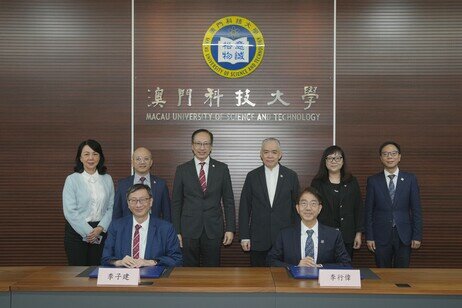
x: 298, y: 51
x: 64, y: 78
x: 399, y: 78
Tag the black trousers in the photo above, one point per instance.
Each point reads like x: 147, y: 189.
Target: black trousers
x: 80, y: 253
x: 258, y: 258
x: 349, y: 249
x: 203, y: 251
x: 394, y: 254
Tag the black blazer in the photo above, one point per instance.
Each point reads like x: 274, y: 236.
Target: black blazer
x: 192, y: 210
x: 287, y: 250
x: 351, y: 207
x: 260, y: 222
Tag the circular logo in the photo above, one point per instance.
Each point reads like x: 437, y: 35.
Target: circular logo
x: 233, y: 47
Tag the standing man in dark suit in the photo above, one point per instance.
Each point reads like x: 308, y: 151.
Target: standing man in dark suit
x: 267, y: 204
x: 142, y: 162
x: 393, y: 214
x: 199, y: 188
x: 309, y: 243
x: 140, y: 239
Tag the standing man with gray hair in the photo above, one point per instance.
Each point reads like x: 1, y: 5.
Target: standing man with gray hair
x: 267, y: 203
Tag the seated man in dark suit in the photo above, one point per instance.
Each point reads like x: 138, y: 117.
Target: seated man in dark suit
x: 141, y: 239
x: 309, y: 243
x: 142, y: 163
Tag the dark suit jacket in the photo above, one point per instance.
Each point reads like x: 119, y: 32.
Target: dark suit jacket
x: 192, y: 210
x: 162, y: 243
x: 287, y: 250
x: 405, y: 210
x: 351, y: 207
x: 260, y: 222
x: 161, y: 204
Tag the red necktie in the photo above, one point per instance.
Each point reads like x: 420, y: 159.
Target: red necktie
x: 136, y: 242
x: 202, y: 179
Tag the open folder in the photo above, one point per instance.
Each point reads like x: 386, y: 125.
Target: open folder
x: 304, y: 272
x: 145, y: 272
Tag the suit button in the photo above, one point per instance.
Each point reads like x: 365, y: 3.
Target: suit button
x: 341, y: 218
x: 341, y: 205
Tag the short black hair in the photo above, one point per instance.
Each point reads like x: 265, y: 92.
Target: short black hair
x: 136, y: 187
x: 95, y: 146
x: 389, y: 143
x: 313, y: 191
x: 202, y: 130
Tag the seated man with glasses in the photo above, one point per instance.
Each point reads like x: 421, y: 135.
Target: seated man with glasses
x: 309, y: 243
x: 141, y: 239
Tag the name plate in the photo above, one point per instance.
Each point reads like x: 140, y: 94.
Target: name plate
x: 118, y: 276
x: 339, y: 278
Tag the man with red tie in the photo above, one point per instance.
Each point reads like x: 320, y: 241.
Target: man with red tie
x: 141, y: 239
x: 200, y: 187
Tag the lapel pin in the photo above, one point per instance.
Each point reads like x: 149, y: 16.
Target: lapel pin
x: 322, y: 241
x: 344, y: 185
x: 213, y: 166
x: 281, y: 176
x: 402, y: 179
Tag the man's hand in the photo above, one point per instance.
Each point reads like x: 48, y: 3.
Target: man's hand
x: 371, y: 246
x: 415, y: 244
x: 245, y: 244
x: 228, y: 238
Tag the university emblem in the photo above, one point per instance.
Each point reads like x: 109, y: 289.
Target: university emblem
x: 233, y: 47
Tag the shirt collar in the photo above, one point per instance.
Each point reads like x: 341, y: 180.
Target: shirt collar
x: 388, y: 173
x: 92, y: 178
x: 305, y: 228
x: 275, y: 169
x: 138, y: 177
x: 144, y: 225
x: 207, y: 161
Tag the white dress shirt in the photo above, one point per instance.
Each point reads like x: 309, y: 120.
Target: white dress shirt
x: 314, y: 237
x: 271, y: 177
x: 206, y: 167
x: 395, y: 179
x: 96, y: 189
x: 143, y: 235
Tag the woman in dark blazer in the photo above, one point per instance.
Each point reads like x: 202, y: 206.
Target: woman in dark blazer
x: 341, y: 197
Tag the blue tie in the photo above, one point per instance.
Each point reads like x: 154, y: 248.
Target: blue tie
x: 309, y: 246
x: 391, y: 187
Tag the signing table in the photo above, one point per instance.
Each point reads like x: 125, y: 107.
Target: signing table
x: 238, y: 287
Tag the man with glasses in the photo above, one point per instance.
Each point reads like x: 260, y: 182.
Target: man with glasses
x: 267, y: 203
x: 141, y: 239
x: 392, y: 209
x: 309, y: 243
x: 142, y: 163
x: 200, y: 187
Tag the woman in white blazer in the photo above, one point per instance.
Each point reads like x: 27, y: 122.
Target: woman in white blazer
x: 88, y: 198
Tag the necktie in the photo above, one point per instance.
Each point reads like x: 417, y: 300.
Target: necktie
x: 142, y: 179
x: 391, y: 187
x: 309, y: 246
x: 202, y: 179
x: 136, y: 242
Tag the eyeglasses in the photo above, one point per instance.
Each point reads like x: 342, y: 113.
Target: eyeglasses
x: 305, y: 204
x: 142, y: 201
x: 142, y: 159
x: 202, y: 144
x: 390, y: 154
x: 337, y: 159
